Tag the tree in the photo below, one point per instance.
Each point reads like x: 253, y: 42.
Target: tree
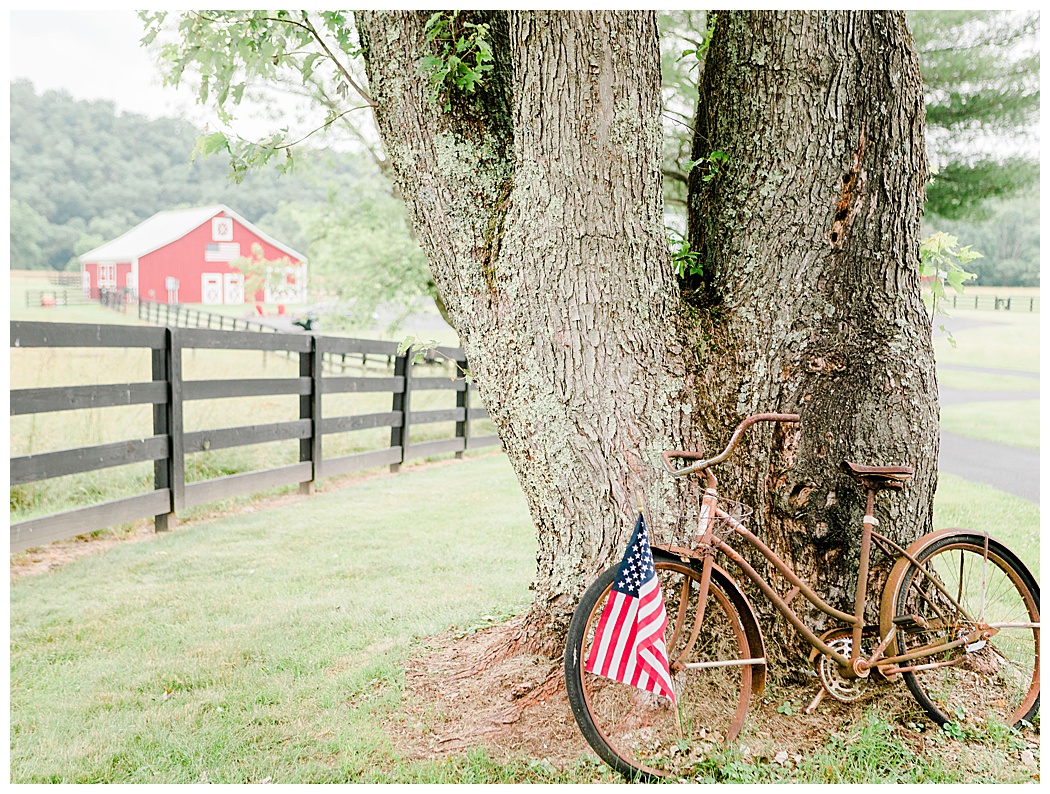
x: 231, y: 57
x: 1008, y: 238
x: 981, y: 72
x: 536, y: 194
x: 527, y: 147
x: 363, y: 254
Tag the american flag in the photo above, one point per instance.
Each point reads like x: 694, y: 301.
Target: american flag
x: 221, y: 252
x: 629, y: 643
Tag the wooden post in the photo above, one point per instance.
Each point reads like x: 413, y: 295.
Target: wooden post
x: 402, y: 403
x: 167, y: 416
x: 162, y: 427
x: 463, y: 402
x: 178, y: 444
x: 310, y: 408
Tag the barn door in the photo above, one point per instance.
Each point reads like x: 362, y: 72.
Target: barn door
x: 211, y: 287
x: 233, y: 287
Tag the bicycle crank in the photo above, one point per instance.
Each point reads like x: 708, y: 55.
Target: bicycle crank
x: 844, y: 690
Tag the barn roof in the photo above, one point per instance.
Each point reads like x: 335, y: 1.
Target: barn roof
x: 166, y: 227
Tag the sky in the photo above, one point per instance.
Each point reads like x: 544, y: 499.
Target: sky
x: 94, y: 55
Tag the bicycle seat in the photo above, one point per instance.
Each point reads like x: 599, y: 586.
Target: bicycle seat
x: 879, y: 477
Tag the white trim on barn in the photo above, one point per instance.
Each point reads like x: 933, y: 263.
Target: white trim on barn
x: 167, y: 227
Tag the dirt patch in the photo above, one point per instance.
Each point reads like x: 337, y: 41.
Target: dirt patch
x: 34, y: 562
x: 464, y: 692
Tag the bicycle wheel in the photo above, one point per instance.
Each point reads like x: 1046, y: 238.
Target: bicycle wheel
x: 641, y: 735
x: 997, y: 681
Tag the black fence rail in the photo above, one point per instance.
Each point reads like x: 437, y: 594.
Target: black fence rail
x: 170, y: 444
x: 180, y: 316
x: 56, y: 297
x: 1017, y: 303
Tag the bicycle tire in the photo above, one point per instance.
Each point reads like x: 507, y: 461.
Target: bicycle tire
x: 636, y: 732
x: 997, y: 682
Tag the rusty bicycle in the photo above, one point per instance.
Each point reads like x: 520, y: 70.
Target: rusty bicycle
x: 958, y: 622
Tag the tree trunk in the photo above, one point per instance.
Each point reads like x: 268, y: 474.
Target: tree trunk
x: 809, y: 233
x: 538, y: 203
x: 537, y: 200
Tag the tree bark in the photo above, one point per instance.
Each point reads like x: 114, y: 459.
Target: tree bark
x: 809, y: 235
x: 537, y: 200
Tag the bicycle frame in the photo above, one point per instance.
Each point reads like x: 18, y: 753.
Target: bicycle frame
x: 855, y: 665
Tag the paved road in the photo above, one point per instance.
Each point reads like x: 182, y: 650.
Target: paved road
x: 1011, y: 469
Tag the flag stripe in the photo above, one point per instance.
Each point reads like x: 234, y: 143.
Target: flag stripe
x: 628, y: 644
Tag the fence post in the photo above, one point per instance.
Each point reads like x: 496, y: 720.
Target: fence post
x: 402, y: 403
x: 463, y: 402
x: 310, y: 408
x: 167, y: 421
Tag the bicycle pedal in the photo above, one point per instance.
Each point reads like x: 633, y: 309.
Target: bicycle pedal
x: 911, y: 623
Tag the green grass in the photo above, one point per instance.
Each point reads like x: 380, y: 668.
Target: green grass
x: 875, y: 750
x: 1015, y: 423
x: 1007, y: 340
x: 272, y: 644
x: 1009, y: 518
x: 262, y: 645
x: 979, y: 381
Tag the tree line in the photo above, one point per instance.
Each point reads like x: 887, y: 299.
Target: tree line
x: 83, y: 174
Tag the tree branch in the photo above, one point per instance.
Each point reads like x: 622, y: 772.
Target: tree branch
x: 339, y: 64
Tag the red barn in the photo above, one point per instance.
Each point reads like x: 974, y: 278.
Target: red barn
x: 185, y: 256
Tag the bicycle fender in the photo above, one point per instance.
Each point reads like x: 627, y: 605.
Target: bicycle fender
x: 893, y: 581
x: 752, y: 629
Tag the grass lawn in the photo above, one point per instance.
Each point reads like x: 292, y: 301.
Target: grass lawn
x: 979, y: 381
x: 1004, y: 340
x: 1008, y: 518
x: 1013, y: 423
x: 262, y: 645
x: 271, y: 645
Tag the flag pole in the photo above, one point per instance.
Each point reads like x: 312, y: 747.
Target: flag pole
x: 674, y: 703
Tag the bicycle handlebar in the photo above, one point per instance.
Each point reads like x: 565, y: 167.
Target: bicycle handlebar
x: 707, y: 463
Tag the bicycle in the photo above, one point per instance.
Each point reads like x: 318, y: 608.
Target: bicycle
x: 958, y: 622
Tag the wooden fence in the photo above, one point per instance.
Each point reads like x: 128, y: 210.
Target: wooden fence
x: 180, y: 316
x: 170, y: 444
x: 56, y: 297
x: 1017, y: 303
